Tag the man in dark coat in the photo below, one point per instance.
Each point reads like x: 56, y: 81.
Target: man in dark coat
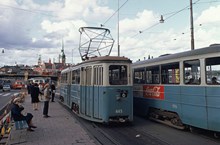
x: 35, y: 91
x: 53, y: 89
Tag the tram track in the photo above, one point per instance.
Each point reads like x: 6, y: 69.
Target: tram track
x: 94, y: 130
x: 130, y: 134
x: 141, y: 132
x: 118, y: 134
x: 106, y: 135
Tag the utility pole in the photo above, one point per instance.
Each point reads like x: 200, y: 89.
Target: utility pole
x: 118, y: 31
x: 191, y: 24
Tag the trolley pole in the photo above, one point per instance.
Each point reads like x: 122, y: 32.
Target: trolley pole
x: 191, y: 24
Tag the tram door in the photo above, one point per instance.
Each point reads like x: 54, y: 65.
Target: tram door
x: 68, y: 88
x: 86, y: 92
x: 83, y: 91
x: 92, y: 81
x: 97, y: 91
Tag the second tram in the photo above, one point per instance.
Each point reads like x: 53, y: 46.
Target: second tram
x: 180, y: 89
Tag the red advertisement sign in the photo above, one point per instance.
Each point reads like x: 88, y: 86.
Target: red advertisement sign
x: 154, y: 92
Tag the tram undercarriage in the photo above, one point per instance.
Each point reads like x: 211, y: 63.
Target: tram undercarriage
x: 166, y: 117
x: 172, y: 119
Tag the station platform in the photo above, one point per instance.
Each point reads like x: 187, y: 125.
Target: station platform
x: 61, y: 128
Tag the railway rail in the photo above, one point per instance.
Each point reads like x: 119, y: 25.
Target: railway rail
x: 143, y: 131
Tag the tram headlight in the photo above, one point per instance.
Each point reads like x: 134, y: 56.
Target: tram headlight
x: 124, y: 94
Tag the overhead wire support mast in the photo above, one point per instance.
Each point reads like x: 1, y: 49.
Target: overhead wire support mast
x: 191, y: 23
x: 118, y: 31
x: 118, y: 22
x: 191, y: 26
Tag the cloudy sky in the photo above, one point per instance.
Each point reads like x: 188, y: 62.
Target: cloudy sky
x: 29, y: 28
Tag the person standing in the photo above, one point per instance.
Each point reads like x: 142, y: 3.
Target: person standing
x: 46, y: 100
x: 29, y: 87
x: 35, y: 96
x: 41, y: 89
x: 53, y: 91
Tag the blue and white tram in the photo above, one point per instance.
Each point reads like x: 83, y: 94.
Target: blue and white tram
x: 99, y: 89
x: 179, y: 89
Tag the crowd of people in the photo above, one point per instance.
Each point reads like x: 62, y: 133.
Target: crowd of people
x: 37, y: 93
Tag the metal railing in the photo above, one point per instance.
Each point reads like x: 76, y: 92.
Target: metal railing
x: 5, y: 121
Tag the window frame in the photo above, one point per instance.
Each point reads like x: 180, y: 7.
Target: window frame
x: 170, y: 73
x: 195, y: 78
x: 216, y: 74
x: 122, y: 78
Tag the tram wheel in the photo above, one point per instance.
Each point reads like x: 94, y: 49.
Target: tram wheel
x: 191, y: 129
x: 216, y: 135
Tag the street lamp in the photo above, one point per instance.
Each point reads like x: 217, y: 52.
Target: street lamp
x: 191, y: 25
x: 161, y: 19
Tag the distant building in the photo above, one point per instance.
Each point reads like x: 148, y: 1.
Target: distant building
x: 42, y: 68
x: 49, y: 68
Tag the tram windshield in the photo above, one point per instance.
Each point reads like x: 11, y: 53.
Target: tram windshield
x: 118, y: 75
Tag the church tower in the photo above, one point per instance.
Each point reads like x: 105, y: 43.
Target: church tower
x: 63, y: 56
x: 39, y: 61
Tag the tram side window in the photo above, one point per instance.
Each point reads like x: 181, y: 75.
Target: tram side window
x: 95, y: 75
x: 152, y: 75
x: 192, y: 72
x: 100, y: 80
x: 83, y: 76
x: 98, y: 75
x: 61, y: 80
x: 170, y: 73
x: 64, y: 78
x: 213, y: 71
x: 76, y: 76
x: 88, y: 75
x: 118, y: 75
x: 139, y: 76
x: 73, y: 77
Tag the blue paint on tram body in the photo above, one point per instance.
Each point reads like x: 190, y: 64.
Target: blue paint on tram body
x: 178, y: 89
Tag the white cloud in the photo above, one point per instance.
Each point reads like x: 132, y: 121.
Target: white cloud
x: 40, y: 28
x: 142, y: 21
x: 207, y: 27
x: 84, y: 9
x: 210, y: 15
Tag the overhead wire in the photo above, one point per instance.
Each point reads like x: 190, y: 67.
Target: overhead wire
x: 28, y: 10
x: 114, y: 13
x: 213, y: 1
x: 172, y: 14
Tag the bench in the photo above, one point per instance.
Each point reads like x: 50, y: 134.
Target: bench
x: 19, y: 125
x: 18, y: 133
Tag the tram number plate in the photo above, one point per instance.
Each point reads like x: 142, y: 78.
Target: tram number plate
x: 118, y: 111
